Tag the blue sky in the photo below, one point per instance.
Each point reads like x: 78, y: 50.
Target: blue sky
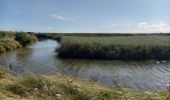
x: 85, y: 15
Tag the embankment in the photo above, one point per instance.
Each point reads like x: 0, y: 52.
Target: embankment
x: 60, y: 87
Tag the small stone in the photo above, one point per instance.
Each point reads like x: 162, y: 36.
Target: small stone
x: 36, y: 89
x: 45, y: 88
x: 59, y: 96
x: 147, y: 92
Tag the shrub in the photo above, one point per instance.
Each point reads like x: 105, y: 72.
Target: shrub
x: 8, y: 45
x: 2, y: 49
x: 25, y: 39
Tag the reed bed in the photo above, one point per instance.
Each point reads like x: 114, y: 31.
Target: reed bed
x: 115, y: 47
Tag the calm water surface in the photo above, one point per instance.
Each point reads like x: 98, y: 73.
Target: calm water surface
x: 41, y: 58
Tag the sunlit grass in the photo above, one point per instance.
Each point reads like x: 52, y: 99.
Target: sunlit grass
x: 60, y: 87
x: 8, y: 45
x: 115, y: 47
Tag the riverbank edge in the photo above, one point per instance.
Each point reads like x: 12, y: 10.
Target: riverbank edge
x: 51, y: 87
x: 9, y: 44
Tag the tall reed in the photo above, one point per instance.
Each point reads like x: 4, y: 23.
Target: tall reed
x: 115, y: 47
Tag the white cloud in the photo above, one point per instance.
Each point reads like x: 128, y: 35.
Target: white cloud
x: 59, y: 17
x: 153, y: 27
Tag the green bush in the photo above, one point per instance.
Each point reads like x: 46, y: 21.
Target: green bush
x: 25, y: 39
x: 13, y: 40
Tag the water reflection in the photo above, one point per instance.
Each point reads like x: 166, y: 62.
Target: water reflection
x: 41, y: 58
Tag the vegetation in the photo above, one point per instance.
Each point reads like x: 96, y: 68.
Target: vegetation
x: 60, y: 87
x: 25, y: 39
x: 14, y: 40
x: 7, y: 34
x: 115, y: 47
x: 8, y: 45
x: 54, y: 36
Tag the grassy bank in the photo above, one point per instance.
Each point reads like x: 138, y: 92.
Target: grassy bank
x: 59, y: 87
x: 13, y: 40
x: 115, y: 47
x: 8, y: 45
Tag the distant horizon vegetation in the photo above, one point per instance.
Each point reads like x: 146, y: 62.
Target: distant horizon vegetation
x: 91, y: 32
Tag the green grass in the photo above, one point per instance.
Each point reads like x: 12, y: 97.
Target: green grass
x: 121, y: 40
x: 52, y: 87
x: 115, y: 47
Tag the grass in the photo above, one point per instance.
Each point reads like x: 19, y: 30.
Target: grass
x: 8, y: 45
x: 13, y: 40
x: 115, y: 47
x: 60, y: 87
x: 7, y: 34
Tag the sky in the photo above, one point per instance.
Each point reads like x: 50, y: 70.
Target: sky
x: 118, y: 16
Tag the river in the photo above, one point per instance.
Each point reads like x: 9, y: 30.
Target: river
x: 41, y: 58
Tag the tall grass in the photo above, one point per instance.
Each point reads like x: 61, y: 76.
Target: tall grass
x: 7, y: 34
x: 14, y: 40
x: 115, y: 47
x: 60, y: 87
x: 8, y: 45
